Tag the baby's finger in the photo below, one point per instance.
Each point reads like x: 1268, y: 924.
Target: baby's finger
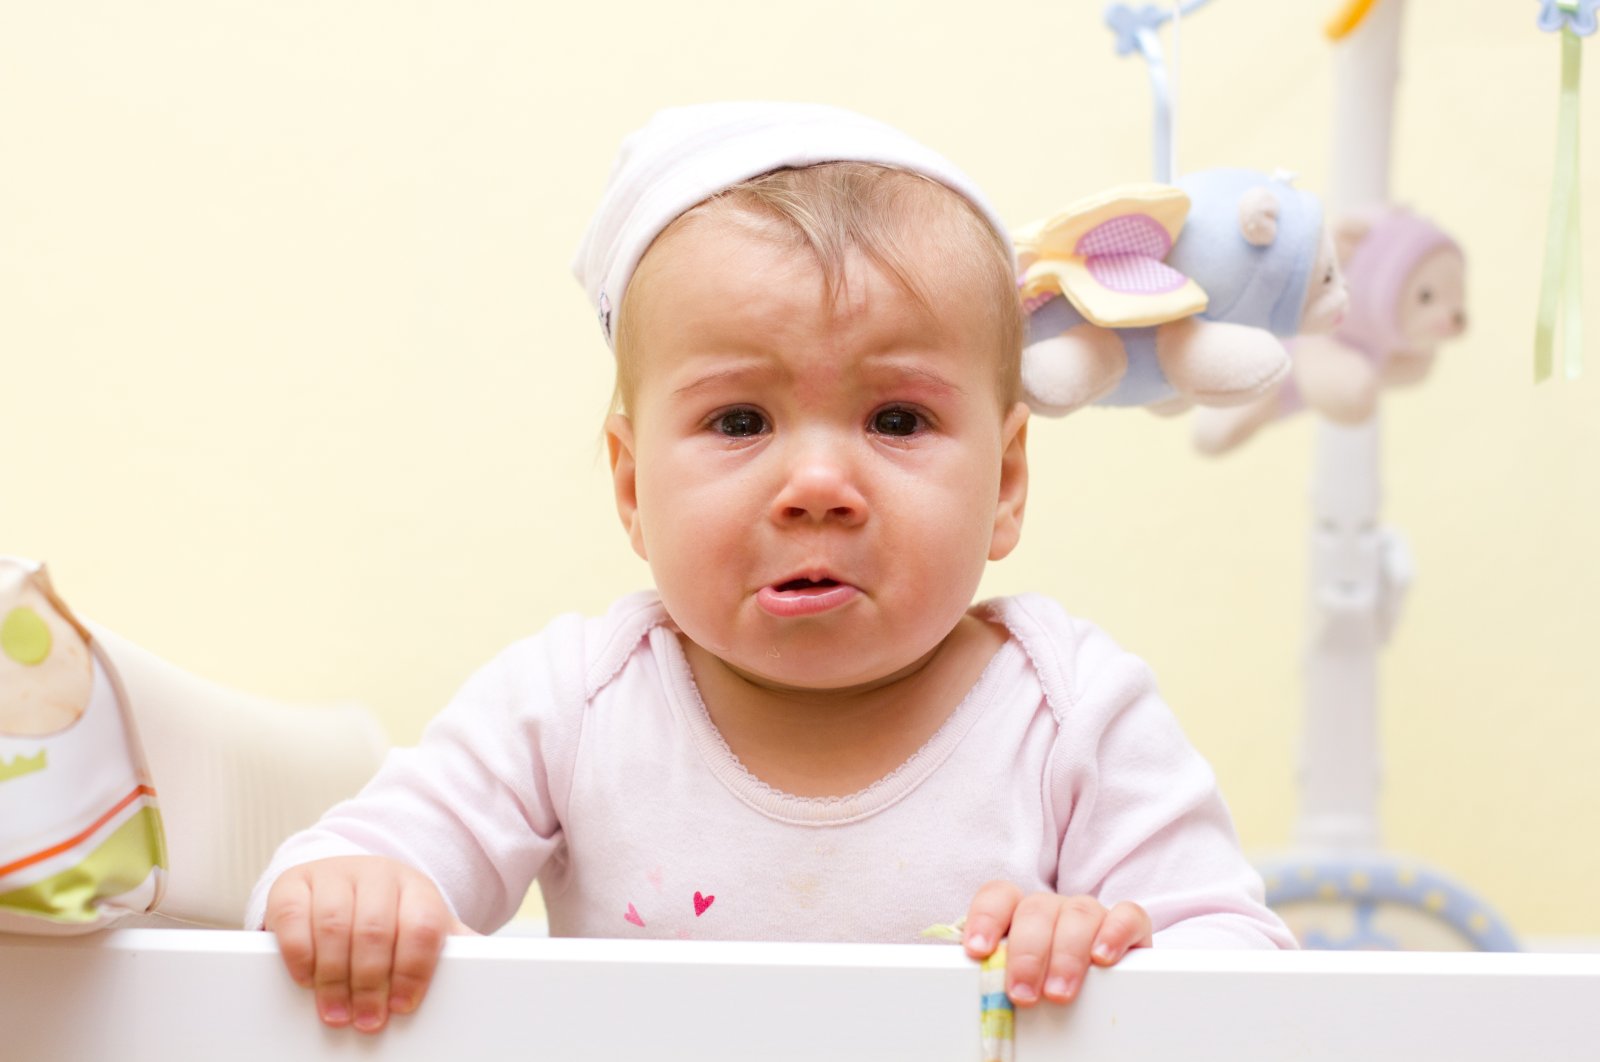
x: 1076, y: 929
x: 1033, y: 926
x: 1127, y: 926
x: 989, y: 917
x: 372, y: 951
x: 289, y: 919
x: 332, y: 914
x: 424, y: 922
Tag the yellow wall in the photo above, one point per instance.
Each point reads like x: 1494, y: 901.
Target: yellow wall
x: 296, y: 390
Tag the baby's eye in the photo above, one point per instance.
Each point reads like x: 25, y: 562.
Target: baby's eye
x: 896, y: 422
x: 740, y: 423
x: 1424, y: 296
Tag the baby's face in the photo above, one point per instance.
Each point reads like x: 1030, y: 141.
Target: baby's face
x: 816, y: 487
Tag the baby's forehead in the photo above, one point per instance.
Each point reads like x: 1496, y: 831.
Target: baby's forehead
x: 727, y: 271
x: 929, y: 250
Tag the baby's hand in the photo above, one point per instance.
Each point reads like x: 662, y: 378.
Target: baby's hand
x: 1053, y: 939
x: 363, y: 931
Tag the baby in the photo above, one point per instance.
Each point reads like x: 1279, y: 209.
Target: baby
x: 807, y: 731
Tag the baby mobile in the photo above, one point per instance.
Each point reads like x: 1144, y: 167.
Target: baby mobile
x: 1234, y: 293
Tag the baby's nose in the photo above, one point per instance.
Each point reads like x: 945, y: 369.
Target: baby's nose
x: 820, y: 485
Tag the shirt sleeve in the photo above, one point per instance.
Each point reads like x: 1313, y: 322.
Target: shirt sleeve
x: 477, y: 806
x: 1140, y: 813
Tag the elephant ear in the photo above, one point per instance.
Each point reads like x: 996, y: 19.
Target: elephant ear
x: 1105, y: 255
x: 1258, y: 216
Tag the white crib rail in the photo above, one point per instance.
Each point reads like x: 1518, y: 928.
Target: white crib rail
x: 166, y: 995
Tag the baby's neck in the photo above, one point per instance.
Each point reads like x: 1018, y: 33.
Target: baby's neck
x: 819, y: 742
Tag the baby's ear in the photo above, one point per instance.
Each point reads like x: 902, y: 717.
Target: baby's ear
x: 1013, y: 495
x: 1350, y: 230
x: 1258, y: 216
x: 624, y: 478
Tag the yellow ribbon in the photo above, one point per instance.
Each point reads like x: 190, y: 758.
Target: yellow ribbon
x: 1561, y: 289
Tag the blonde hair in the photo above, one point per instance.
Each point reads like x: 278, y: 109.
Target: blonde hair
x: 836, y: 208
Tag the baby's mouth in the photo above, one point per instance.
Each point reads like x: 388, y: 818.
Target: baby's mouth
x: 805, y: 596
x: 802, y: 585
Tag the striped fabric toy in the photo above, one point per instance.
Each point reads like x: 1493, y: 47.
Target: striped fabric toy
x: 996, y: 1014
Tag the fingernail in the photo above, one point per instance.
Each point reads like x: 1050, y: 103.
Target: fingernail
x: 978, y: 942
x: 1058, y: 988
x: 1102, y: 951
x: 367, y: 1019
x: 1023, y: 993
x: 400, y: 1004
x: 335, y: 1013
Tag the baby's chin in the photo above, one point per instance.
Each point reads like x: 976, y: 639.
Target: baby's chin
x: 822, y: 655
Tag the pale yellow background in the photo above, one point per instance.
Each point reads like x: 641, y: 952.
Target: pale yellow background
x: 295, y: 388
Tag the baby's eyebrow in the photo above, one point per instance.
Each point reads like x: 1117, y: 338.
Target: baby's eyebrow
x: 885, y: 371
x: 733, y: 373
x: 923, y: 373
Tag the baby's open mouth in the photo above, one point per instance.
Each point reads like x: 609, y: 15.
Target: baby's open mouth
x: 806, y: 584
x: 805, y: 596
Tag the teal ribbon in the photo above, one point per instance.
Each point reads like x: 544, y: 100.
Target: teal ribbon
x: 1561, y: 290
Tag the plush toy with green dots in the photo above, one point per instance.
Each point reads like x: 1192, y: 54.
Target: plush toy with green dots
x: 81, y: 842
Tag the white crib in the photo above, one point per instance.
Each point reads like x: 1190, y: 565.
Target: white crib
x: 165, y: 995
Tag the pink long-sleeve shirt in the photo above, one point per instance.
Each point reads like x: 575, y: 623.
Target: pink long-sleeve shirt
x: 584, y: 758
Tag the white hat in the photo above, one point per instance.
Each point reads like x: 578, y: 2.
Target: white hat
x: 685, y: 155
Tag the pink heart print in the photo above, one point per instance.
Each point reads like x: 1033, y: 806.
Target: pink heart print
x: 701, y: 903
x: 633, y: 916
